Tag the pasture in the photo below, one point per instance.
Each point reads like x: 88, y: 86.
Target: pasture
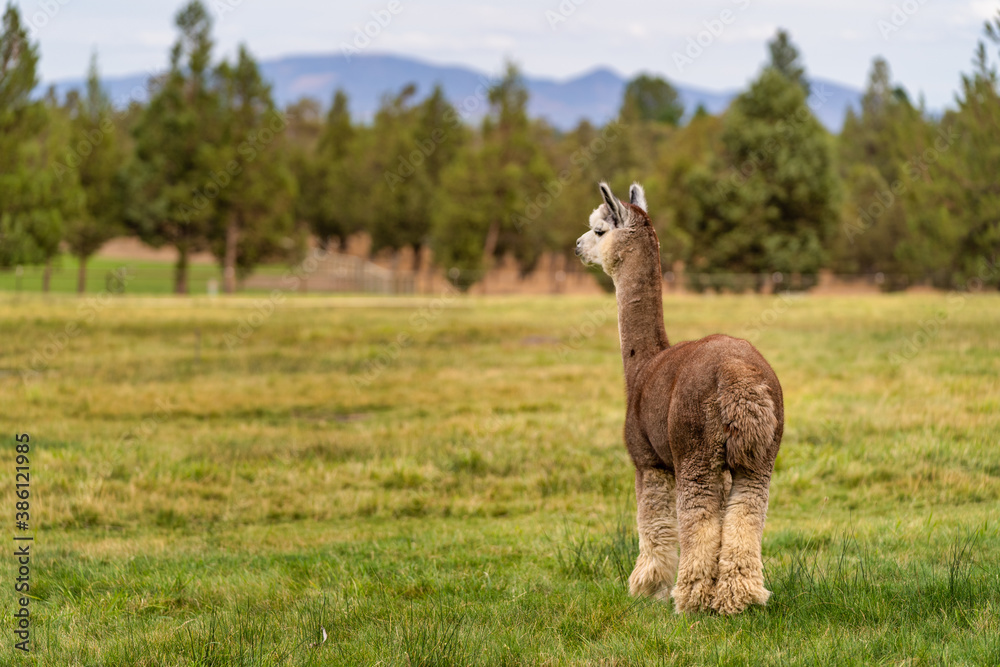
x: 443, y: 482
x: 118, y: 276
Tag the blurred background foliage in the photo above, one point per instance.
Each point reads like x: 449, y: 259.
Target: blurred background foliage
x: 210, y: 163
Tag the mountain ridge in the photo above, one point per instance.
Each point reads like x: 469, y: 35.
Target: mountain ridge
x: 594, y: 95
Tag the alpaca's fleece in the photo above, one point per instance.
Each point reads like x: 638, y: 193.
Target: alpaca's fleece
x: 703, y: 425
x: 747, y: 411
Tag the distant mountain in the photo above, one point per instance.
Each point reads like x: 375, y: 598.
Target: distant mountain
x: 595, y: 96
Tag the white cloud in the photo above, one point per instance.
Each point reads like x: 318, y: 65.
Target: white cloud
x: 499, y: 42
x: 638, y: 30
x: 981, y: 10
x: 757, y: 33
x: 156, y: 38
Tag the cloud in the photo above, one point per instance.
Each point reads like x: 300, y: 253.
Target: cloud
x: 638, y: 30
x: 156, y: 38
x: 982, y: 10
x: 757, y: 33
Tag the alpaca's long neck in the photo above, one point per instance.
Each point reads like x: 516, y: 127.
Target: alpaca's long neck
x: 639, y: 291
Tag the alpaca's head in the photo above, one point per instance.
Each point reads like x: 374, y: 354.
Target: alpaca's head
x: 616, y: 227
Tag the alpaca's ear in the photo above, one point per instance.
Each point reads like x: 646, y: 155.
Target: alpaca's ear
x: 614, y: 206
x: 637, y: 196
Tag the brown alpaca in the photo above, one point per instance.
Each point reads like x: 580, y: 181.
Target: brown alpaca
x: 703, y: 425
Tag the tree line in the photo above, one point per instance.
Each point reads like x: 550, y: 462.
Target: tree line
x: 206, y: 161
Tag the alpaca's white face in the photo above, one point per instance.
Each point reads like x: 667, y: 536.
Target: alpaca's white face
x: 610, y: 221
x: 588, y: 246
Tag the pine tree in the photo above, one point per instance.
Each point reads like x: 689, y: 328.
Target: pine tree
x: 649, y: 98
x: 171, y: 184
x: 781, y: 159
x: 97, y: 156
x: 461, y: 216
x: 36, y: 194
x: 579, y: 168
x: 395, y: 205
x: 785, y: 59
x: 254, y: 188
x: 889, y: 129
x: 419, y: 142
x: 769, y: 202
x: 580, y: 159
x: 440, y: 136
x: 326, y: 165
x: 680, y: 192
x: 956, y: 209
x: 649, y: 114
x: 875, y: 150
x: 504, y: 186
x: 874, y: 227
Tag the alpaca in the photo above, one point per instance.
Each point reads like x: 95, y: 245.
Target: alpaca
x: 703, y: 424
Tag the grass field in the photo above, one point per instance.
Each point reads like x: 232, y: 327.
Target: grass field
x: 441, y: 482
x: 118, y: 275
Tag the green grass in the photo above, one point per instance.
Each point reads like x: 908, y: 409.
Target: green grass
x: 444, y: 482
x: 129, y: 276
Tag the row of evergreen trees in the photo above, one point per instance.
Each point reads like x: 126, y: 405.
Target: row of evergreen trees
x: 209, y: 162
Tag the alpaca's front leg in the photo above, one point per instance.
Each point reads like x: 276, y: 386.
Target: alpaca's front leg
x: 700, y: 495
x: 656, y: 567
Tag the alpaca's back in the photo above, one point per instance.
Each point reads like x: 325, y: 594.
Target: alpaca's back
x: 717, y: 390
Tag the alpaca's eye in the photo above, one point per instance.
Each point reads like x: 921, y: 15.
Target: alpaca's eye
x: 599, y: 232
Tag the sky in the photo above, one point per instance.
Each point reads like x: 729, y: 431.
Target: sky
x: 714, y: 44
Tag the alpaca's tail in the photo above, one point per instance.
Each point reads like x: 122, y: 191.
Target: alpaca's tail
x: 748, y: 415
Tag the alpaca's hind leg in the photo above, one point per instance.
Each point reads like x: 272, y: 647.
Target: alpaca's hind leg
x: 741, y: 570
x: 656, y: 567
x: 699, y: 516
